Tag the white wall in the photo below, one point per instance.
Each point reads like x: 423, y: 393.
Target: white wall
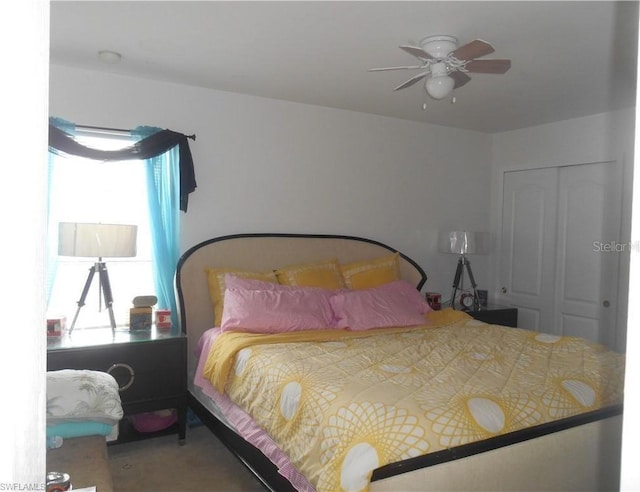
x: 598, y: 138
x: 23, y: 90
x: 630, y: 472
x: 347, y: 173
x: 265, y: 165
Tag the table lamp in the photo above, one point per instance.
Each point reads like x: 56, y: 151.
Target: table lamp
x: 463, y: 243
x: 97, y: 241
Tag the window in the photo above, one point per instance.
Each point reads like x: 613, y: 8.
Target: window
x: 86, y: 190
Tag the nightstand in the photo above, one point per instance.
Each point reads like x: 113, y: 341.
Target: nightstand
x: 150, y: 367
x: 497, y: 315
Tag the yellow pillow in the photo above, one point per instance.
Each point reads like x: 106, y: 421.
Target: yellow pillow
x: 371, y: 273
x: 217, y: 286
x: 325, y: 274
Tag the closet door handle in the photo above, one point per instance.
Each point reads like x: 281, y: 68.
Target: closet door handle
x: 132, y: 375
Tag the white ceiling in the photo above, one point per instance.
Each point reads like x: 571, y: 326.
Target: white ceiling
x: 569, y: 59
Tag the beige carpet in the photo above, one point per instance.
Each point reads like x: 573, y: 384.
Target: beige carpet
x: 160, y: 464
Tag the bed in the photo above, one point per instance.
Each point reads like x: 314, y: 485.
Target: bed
x: 566, y: 450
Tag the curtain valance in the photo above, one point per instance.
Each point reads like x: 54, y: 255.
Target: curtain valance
x: 152, y: 146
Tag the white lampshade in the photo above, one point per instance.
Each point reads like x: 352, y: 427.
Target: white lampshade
x: 97, y: 240
x: 463, y: 242
x: 439, y: 85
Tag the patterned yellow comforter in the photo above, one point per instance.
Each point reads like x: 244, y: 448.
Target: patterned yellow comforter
x: 341, y: 404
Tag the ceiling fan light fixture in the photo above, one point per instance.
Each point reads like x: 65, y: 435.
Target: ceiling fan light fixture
x: 439, y: 46
x: 439, y: 85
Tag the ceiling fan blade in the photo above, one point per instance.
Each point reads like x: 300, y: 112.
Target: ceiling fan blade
x: 488, y: 66
x: 394, y: 68
x: 411, y: 81
x: 460, y: 78
x: 474, y: 49
x: 415, y: 51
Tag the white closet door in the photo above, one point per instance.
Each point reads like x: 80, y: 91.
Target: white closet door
x: 528, y: 243
x: 588, y: 251
x: 557, y: 224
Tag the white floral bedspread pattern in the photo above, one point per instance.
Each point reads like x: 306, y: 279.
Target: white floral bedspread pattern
x: 81, y: 395
x: 342, y: 408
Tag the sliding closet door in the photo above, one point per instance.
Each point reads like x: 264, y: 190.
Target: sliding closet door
x: 557, y: 227
x: 528, y: 244
x: 587, y: 255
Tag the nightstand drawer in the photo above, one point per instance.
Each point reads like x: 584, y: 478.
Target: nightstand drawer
x: 144, y: 371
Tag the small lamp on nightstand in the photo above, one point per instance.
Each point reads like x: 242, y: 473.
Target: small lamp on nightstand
x: 97, y: 241
x: 463, y: 243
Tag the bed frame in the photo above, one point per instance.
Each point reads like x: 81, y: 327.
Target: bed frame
x: 578, y: 453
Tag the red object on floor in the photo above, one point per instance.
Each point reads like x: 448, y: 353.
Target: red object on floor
x: 154, y: 421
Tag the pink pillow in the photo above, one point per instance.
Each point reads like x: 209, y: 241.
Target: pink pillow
x: 234, y: 282
x: 276, y: 310
x: 408, y: 291
x: 394, y: 304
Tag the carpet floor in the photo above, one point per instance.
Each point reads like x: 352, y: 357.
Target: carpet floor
x: 160, y: 464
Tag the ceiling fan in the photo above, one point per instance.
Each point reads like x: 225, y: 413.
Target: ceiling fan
x: 446, y: 65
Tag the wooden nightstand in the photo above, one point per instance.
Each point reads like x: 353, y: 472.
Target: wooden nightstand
x: 497, y: 315
x: 150, y: 367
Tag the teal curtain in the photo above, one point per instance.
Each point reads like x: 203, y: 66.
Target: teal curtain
x: 163, y: 189
x: 170, y: 180
x: 51, y: 267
